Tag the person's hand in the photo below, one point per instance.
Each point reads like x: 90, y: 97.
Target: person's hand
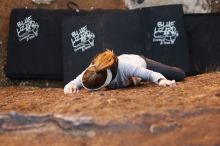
x: 70, y: 88
x: 165, y: 82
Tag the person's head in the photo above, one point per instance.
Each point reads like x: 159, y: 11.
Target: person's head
x: 98, y: 74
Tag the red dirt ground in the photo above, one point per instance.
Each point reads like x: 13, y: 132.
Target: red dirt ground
x: 186, y: 115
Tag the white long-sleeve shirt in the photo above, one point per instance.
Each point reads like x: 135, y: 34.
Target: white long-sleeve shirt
x: 129, y: 65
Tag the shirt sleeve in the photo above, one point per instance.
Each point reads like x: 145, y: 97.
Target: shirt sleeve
x: 131, y: 70
x: 77, y: 81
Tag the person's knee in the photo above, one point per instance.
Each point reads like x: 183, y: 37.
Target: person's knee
x: 180, y: 74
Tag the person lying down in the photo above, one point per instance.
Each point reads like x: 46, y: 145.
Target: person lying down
x: 110, y: 71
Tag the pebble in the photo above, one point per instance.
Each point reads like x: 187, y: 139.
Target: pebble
x: 102, y: 94
x: 112, y: 101
x: 90, y: 134
x: 162, y: 128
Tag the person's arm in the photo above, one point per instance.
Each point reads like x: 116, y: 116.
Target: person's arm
x: 146, y: 74
x: 74, y: 85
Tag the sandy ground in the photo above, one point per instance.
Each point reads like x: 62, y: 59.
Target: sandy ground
x: 187, y: 115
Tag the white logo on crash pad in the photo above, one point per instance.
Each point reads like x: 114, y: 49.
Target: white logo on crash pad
x: 165, y: 33
x: 27, y: 29
x: 82, y: 39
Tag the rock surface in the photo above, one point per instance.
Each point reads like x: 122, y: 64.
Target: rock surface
x: 186, y: 115
x: 189, y: 6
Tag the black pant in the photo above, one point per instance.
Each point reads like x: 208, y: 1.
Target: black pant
x: 171, y: 73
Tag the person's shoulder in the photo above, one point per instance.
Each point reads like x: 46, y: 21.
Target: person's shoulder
x: 128, y: 56
x: 125, y: 61
x: 132, y: 58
